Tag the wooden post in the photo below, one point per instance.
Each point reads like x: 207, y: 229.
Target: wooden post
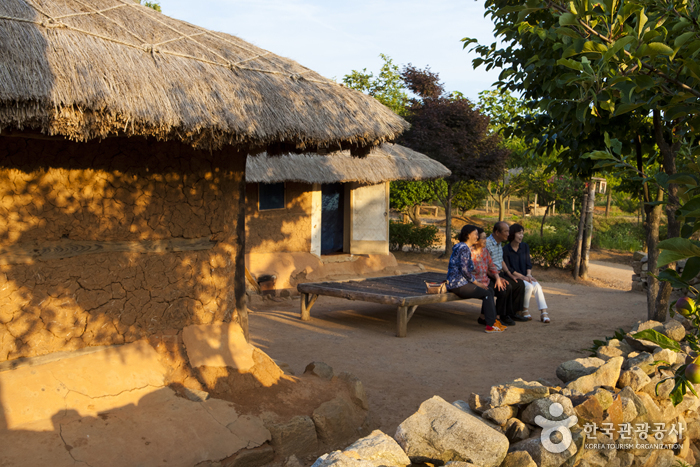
x: 573, y: 205
x: 401, y: 321
x: 307, y: 301
x: 576, y: 260
x: 607, y: 206
x: 586, y: 248
x: 534, y: 213
x: 554, y: 207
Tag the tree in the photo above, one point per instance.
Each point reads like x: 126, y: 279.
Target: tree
x: 387, y: 87
x: 590, y: 68
x: 153, y: 5
x: 407, y: 196
x: 449, y: 129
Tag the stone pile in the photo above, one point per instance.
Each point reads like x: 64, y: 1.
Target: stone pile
x: 640, y: 268
x: 605, y: 413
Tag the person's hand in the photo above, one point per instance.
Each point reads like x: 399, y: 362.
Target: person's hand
x: 480, y: 285
x: 531, y: 279
x: 500, y: 284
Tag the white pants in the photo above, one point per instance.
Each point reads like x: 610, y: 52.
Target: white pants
x: 539, y: 295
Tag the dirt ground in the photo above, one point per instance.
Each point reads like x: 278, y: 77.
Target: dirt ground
x: 446, y: 352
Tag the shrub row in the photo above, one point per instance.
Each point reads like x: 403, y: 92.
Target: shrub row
x: 417, y: 238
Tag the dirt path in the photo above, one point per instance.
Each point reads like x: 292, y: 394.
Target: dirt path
x: 446, y: 351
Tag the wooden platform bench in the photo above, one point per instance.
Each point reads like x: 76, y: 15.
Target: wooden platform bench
x: 406, y: 292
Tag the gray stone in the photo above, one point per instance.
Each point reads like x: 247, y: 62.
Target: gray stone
x: 439, y: 431
x: 379, y: 449
x: 339, y: 459
x: 574, y: 369
x: 614, y: 348
x: 663, y: 389
x: 195, y: 395
x: 257, y: 457
x: 606, y: 375
x: 292, y: 461
x: 599, y: 457
x: 626, y: 458
x: 338, y: 421
x: 541, y: 456
x: 518, y: 459
x: 629, y: 409
x: 357, y: 389
x: 640, y: 344
x: 634, y: 378
x: 478, y: 403
x: 319, y: 369
x: 643, y: 360
x: 463, y: 406
x: 638, y: 256
x: 628, y: 393
x: 541, y: 408
x: 666, y: 355
x: 517, y: 392
x: 296, y: 436
x: 500, y: 415
x: 674, y: 330
x: 516, y: 430
x: 460, y: 464
x: 605, y: 397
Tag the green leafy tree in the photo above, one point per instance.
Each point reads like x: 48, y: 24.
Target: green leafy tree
x: 407, y: 196
x: 589, y: 68
x: 153, y: 5
x: 387, y: 87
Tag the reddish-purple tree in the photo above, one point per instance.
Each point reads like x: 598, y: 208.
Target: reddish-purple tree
x: 448, y: 128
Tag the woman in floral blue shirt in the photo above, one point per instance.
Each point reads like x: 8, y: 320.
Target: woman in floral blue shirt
x: 461, y: 280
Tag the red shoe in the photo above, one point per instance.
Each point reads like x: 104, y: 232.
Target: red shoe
x: 490, y: 329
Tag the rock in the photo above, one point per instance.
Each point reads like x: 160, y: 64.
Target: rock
x: 666, y: 355
x: 517, y: 392
x: 606, y: 375
x: 574, y: 369
x: 439, y: 431
x: 339, y: 459
x: 357, y: 390
x: 674, y: 330
x: 338, y: 421
x: 614, y: 348
x: 379, y: 449
x: 628, y: 393
x: 634, y: 377
x: 590, y: 411
x: 638, y: 255
x: 604, y: 396
x: 629, y: 410
x: 296, y: 436
x: 319, y: 369
x: 518, y: 459
x: 250, y: 428
x: 643, y: 345
x: 516, y: 430
x: 500, y: 415
x: 599, y: 457
x: 463, y: 406
x: 292, y: 461
x: 459, y: 464
x: 257, y: 457
x: 643, y: 360
x: 478, y: 403
x: 195, y: 395
x: 540, y: 455
x: 663, y: 389
x: 541, y: 407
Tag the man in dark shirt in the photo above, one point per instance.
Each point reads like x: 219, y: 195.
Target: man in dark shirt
x: 506, y: 308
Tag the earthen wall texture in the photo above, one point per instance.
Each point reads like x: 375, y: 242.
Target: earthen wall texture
x: 279, y: 230
x: 119, y: 189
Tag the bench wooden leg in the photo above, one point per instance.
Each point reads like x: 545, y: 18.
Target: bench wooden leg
x: 403, y: 316
x: 307, y: 301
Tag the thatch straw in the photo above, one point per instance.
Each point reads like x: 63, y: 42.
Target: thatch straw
x: 88, y: 69
x: 385, y: 163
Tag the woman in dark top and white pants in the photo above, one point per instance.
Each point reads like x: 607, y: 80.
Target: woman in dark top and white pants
x: 516, y: 254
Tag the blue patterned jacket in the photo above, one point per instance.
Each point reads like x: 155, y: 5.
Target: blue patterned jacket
x: 461, y: 268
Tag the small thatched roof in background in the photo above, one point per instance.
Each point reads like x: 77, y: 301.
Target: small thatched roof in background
x: 386, y: 163
x: 87, y: 69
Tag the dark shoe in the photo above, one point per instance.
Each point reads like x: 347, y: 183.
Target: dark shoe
x: 481, y: 321
x: 508, y: 321
x: 520, y: 318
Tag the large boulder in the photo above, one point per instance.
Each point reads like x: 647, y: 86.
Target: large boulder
x: 607, y: 375
x: 641, y: 344
x: 541, y: 455
x: 541, y: 407
x: 441, y: 432
x: 574, y: 369
x: 295, y: 436
x: 614, y: 348
x: 517, y: 392
x: 338, y: 421
x: 643, y: 360
x: 379, y: 449
x: 634, y: 378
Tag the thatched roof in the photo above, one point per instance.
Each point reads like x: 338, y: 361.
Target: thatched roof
x: 385, y: 163
x: 87, y: 69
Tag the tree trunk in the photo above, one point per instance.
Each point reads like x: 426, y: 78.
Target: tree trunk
x: 534, y: 208
x: 554, y: 208
x: 501, y: 208
x: 448, y: 221
x: 544, y: 219
x: 607, y: 206
x: 586, y: 248
x: 576, y: 260
x: 573, y: 205
x: 522, y: 202
x: 654, y: 291
x: 508, y: 208
x: 414, y: 214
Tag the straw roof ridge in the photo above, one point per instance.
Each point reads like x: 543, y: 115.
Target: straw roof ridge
x: 387, y: 162
x: 89, y: 69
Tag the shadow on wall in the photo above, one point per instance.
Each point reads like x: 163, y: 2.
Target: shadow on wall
x: 107, y: 242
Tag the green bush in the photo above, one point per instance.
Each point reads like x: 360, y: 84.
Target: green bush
x: 417, y: 238
x: 550, y: 250
x: 622, y: 235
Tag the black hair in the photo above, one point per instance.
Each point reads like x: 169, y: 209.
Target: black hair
x: 466, y: 230
x: 515, y: 228
x: 497, y: 226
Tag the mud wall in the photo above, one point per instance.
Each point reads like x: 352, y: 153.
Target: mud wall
x: 78, y: 225
x: 279, y: 230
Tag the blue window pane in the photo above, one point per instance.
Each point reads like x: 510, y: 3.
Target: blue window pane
x: 271, y: 196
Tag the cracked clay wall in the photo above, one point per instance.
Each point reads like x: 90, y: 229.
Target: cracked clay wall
x: 279, y: 230
x: 108, y: 242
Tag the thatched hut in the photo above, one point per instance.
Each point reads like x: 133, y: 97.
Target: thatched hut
x: 313, y: 216
x: 123, y: 140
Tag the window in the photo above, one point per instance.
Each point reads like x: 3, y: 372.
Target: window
x: 270, y: 196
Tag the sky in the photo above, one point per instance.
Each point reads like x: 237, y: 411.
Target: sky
x: 335, y: 37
